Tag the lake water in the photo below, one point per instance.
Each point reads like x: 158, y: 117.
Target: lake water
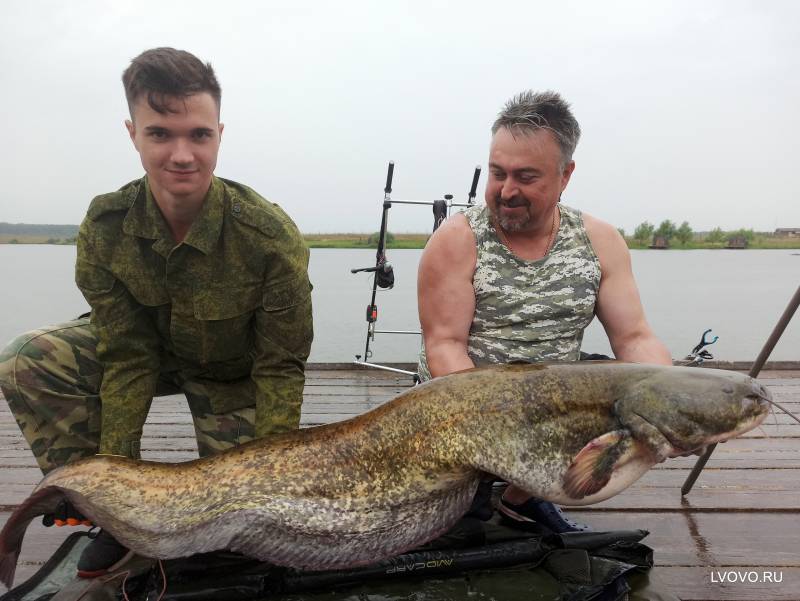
x: 740, y: 294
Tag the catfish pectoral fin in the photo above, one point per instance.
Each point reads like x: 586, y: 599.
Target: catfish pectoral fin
x: 592, y: 467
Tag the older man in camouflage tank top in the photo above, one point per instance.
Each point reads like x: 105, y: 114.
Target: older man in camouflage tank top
x: 522, y: 277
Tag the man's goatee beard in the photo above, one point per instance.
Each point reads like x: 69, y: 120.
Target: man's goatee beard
x: 510, y: 225
x: 515, y: 225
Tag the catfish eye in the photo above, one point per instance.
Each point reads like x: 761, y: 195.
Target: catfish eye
x: 727, y: 388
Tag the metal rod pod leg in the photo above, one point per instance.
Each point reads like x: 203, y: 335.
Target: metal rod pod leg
x: 754, y: 371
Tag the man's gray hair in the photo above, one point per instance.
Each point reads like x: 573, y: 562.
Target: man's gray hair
x: 530, y: 111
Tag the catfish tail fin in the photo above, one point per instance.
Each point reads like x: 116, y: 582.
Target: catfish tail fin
x: 39, y: 503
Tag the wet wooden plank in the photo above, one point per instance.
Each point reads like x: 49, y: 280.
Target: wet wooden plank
x: 27, y: 475
x: 691, y: 548
x: 696, y: 584
x: 182, y: 443
x: 356, y: 382
x: 734, y: 479
x: 723, y: 490
x: 790, y: 430
x: 709, y: 539
x: 363, y: 391
x: 359, y: 375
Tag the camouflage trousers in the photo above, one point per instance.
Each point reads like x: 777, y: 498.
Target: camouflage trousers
x: 51, y: 379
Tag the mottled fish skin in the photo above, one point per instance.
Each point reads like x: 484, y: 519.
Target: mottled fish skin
x: 361, y: 490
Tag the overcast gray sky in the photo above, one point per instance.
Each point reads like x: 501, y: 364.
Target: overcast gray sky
x: 689, y: 109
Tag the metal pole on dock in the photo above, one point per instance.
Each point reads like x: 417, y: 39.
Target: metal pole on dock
x: 754, y: 371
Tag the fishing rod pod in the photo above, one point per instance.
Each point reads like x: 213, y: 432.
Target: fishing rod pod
x: 384, y: 272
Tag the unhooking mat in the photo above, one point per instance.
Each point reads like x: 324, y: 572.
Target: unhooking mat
x: 476, y: 560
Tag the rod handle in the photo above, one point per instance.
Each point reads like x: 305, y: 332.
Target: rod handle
x: 389, y: 175
x: 475, y: 177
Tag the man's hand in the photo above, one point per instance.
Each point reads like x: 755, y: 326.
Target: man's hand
x: 65, y: 515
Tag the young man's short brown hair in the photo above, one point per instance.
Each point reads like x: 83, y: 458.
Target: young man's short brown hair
x: 161, y: 73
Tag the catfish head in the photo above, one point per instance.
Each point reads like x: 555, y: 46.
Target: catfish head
x: 681, y: 410
x: 671, y: 412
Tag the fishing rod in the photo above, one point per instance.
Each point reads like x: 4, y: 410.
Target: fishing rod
x: 754, y: 371
x: 383, y: 270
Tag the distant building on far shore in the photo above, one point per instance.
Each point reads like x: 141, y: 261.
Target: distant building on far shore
x: 660, y: 242
x: 788, y: 232
x: 737, y: 242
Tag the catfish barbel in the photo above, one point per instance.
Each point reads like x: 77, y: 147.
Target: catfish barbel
x: 361, y: 490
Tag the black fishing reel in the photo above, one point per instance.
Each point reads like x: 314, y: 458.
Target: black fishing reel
x: 384, y: 274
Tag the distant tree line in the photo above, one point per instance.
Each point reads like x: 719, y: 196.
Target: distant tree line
x: 645, y: 233
x: 682, y: 236
x: 38, y: 240
x: 55, y: 232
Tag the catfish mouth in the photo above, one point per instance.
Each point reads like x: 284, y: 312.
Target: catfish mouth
x: 758, y: 404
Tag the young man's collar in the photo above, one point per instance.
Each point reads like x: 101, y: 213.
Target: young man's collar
x: 144, y: 219
x: 205, y: 230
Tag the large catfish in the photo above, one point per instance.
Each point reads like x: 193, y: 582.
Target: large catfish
x: 361, y: 490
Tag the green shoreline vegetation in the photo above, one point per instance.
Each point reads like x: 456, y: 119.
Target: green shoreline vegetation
x: 666, y: 236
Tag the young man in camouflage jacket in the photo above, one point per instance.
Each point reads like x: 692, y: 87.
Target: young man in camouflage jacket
x: 196, y: 284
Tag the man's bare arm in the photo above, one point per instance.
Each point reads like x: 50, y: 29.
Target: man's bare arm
x: 445, y: 296
x: 619, y: 307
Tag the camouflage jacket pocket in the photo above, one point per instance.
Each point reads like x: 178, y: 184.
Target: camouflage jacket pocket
x: 223, y: 322
x: 213, y: 303
x: 146, y: 290
x: 92, y: 279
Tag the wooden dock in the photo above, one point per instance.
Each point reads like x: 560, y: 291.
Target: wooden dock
x: 741, y: 521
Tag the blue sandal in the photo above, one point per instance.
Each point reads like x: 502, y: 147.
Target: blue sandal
x: 540, y: 512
